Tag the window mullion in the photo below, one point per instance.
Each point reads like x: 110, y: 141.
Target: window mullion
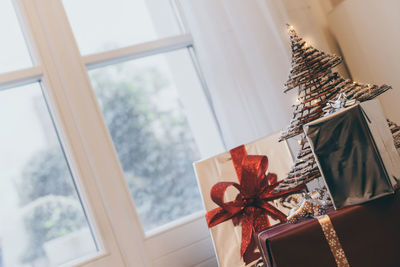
x: 137, y: 51
x: 20, y: 77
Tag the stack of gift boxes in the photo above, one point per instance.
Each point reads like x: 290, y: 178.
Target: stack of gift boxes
x: 260, y: 204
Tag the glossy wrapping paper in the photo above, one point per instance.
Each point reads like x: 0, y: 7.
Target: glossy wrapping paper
x: 369, y: 235
x: 355, y: 153
x: 220, y: 168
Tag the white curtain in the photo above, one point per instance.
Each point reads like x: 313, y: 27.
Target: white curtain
x: 244, y: 55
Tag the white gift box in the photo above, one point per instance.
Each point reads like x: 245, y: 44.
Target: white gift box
x: 227, y: 237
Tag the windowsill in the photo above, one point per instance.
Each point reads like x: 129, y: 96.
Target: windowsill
x: 172, y: 225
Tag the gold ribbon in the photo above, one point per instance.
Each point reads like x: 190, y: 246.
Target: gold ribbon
x: 333, y: 241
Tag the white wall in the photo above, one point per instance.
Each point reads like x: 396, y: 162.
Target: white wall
x: 369, y: 34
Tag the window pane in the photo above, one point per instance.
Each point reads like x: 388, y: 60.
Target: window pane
x: 101, y: 25
x: 152, y: 137
x: 13, y: 50
x: 42, y: 219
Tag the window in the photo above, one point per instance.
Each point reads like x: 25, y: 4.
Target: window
x: 140, y: 100
x: 41, y: 209
x: 102, y: 125
x: 13, y: 50
x: 102, y: 25
x: 151, y: 134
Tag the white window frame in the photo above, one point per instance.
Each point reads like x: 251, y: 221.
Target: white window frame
x: 89, y: 148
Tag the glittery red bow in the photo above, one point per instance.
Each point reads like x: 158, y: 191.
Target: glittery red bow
x: 251, y: 206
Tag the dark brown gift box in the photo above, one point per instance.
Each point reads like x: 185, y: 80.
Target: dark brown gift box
x: 355, y: 152
x: 369, y: 235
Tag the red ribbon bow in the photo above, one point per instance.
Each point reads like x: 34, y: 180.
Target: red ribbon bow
x: 251, y: 206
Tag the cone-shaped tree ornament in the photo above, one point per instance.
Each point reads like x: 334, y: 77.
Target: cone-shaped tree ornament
x: 312, y: 74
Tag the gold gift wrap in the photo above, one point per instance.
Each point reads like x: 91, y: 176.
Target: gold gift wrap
x: 355, y: 153
x: 227, y: 237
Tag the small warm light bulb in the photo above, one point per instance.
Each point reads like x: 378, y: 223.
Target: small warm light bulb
x: 354, y: 82
x: 291, y: 28
x: 298, y: 100
x: 299, y: 141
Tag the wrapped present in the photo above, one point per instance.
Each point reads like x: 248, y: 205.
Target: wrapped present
x: 238, y: 193
x: 364, y: 235
x: 355, y: 153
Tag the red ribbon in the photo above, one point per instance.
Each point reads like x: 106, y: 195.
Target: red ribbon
x: 251, y: 207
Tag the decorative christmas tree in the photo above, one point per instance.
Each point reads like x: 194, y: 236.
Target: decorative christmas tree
x: 317, y: 84
x: 312, y: 74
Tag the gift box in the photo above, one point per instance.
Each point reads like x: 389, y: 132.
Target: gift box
x: 355, y: 153
x: 358, y: 236
x: 226, y: 236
